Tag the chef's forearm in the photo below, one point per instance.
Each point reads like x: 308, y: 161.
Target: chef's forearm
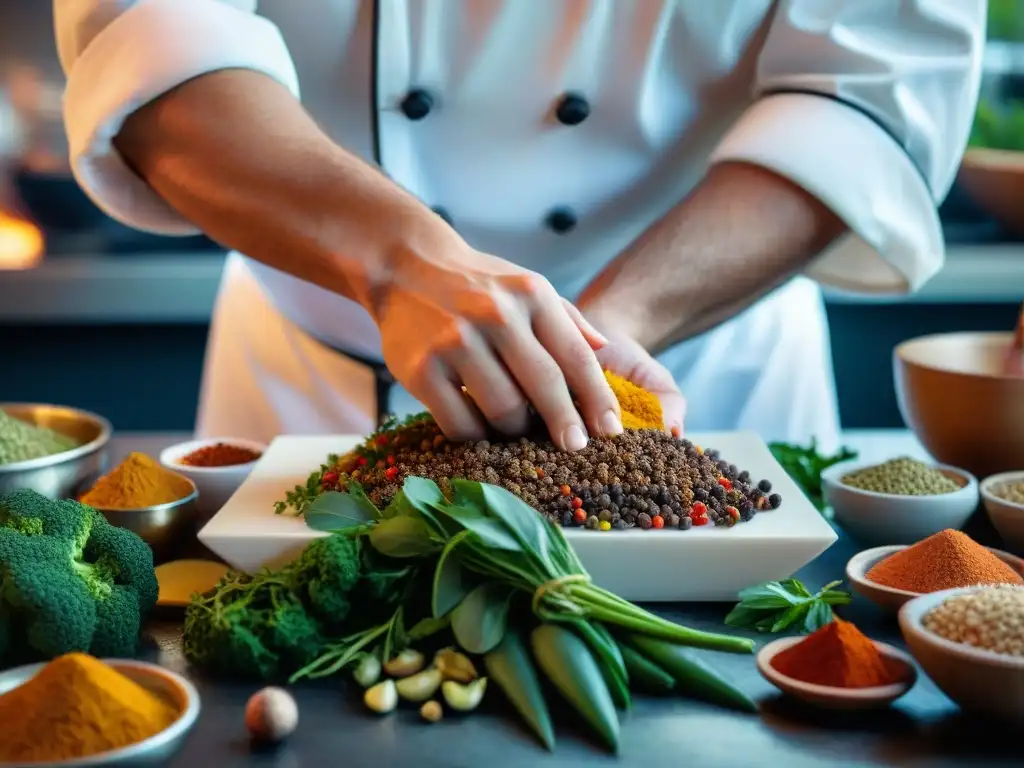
x: 235, y: 153
x: 743, y: 232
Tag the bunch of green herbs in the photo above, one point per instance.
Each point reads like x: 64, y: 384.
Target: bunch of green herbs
x: 776, y: 606
x: 804, y: 464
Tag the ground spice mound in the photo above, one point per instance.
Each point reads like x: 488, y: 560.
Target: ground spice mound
x: 838, y: 655
x: 640, y: 479
x: 945, y: 560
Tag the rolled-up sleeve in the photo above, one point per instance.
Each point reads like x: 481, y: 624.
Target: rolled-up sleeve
x: 867, y: 105
x: 119, y: 55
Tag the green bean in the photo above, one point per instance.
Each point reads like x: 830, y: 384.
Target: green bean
x: 644, y: 675
x: 569, y: 665
x: 510, y: 667
x: 692, y: 676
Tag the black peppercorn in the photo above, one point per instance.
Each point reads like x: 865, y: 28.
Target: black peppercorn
x: 765, y: 486
x: 644, y: 520
x: 604, y: 501
x: 685, y: 523
x: 718, y: 492
x: 673, y: 520
x: 700, y: 494
x: 743, y: 477
x: 774, y: 500
x: 620, y: 524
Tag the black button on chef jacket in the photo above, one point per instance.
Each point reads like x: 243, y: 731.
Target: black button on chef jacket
x: 572, y: 109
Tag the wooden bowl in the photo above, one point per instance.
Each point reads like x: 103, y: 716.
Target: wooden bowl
x: 994, y: 179
x: 956, y: 396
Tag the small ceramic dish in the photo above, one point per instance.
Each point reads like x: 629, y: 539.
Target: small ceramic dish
x: 216, y: 484
x: 156, y: 750
x: 978, y: 680
x: 839, y: 698
x: 1006, y: 516
x: 875, y: 519
x: 889, y: 598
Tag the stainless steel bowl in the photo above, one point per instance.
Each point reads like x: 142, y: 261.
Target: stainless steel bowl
x: 156, y: 750
x: 60, y: 475
x: 165, y: 527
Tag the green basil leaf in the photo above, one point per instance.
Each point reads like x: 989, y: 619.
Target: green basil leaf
x: 421, y: 493
x: 522, y: 520
x: 398, y: 506
x: 795, y: 587
x: 765, y: 624
x: 742, y: 616
x: 335, y: 511
x: 492, y: 532
x: 401, y: 537
x: 479, y: 622
x: 427, y: 627
x: 355, y: 490
x: 837, y: 597
x: 450, y: 579
x: 819, y: 615
x: 790, y: 616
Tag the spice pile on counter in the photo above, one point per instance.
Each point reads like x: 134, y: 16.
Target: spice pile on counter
x: 644, y: 478
x: 219, y: 455
x: 1012, y: 492
x: 838, y: 656
x: 901, y: 477
x: 991, y: 619
x: 75, y: 707
x: 70, y: 581
x: 945, y: 560
x: 136, y: 483
x: 21, y: 441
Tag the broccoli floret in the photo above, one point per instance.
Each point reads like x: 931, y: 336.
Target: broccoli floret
x: 251, y: 627
x: 324, y: 576
x: 69, y: 580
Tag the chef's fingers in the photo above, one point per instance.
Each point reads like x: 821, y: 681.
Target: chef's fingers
x: 435, y: 386
x: 673, y: 408
x: 490, y: 386
x: 594, y: 338
x: 541, y: 380
x: 564, y: 342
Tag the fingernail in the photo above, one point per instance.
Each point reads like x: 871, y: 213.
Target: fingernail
x: 610, y: 424
x: 574, y: 438
x: 677, y: 431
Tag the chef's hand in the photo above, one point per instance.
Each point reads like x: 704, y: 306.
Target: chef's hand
x: 450, y: 317
x: 627, y: 358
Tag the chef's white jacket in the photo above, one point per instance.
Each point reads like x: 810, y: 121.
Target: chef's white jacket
x: 551, y: 133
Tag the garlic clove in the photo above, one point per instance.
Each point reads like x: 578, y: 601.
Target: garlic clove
x: 408, y: 662
x: 382, y: 697
x: 419, y: 687
x: 464, y: 698
x: 431, y: 711
x: 455, y: 666
x: 271, y: 715
x: 367, y: 672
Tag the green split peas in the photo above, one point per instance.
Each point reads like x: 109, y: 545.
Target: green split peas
x: 901, y: 477
x: 21, y: 441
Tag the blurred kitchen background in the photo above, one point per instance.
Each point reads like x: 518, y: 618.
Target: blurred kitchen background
x: 104, y: 318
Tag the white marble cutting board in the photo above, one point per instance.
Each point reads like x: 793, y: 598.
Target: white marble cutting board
x: 701, y: 564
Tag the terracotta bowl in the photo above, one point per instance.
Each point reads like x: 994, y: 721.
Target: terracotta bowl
x: 994, y: 179
x: 956, y: 396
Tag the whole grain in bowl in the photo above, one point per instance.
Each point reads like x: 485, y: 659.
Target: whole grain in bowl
x: 1012, y: 492
x: 901, y: 477
x: 991, y: 619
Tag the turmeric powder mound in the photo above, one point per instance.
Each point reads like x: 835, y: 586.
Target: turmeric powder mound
x: 137, y: 482
x: 75, y: 707
x: 640, y: 409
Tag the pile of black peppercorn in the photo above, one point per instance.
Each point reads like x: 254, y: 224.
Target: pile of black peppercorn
x: 640, y: 479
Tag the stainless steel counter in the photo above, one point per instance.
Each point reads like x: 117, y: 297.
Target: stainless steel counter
x: 181, y: 287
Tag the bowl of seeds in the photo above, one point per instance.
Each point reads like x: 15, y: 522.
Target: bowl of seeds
x: 1003, y: 497
x: 50, y: 449
x: 899, y: 501
x: 970, y: 642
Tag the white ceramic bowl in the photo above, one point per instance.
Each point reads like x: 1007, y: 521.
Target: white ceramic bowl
x: 156, y: 750
x: 216, y: 484
x: 1006, y: 516
x: 838, y: 698
x: 874, y: 519
x: 978, y: 680
x: 891, y: 599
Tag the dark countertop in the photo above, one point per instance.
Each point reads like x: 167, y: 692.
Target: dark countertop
x: 923, y: 729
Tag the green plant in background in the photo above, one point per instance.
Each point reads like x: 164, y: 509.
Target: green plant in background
x: 999, y: 127
x: 1006, y: 20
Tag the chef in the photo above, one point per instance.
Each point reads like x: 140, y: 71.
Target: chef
x: 686, y: 172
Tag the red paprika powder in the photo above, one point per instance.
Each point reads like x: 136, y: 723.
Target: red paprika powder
x: 219, y: 455
x: 838, y: 656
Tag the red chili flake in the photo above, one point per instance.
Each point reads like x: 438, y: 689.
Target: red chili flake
x: 724, y: 482
x: 391, y: 473
x: 699, y: 508
x: 219, y: 455
x: 577, y: 502
x: 381, y: 440
x: 700, y: 520
x: 391, y: 461
x: 658, y: 521
x: 362, y: 461
x: 580, y: 515
x: 540, y: 473
x: 566, y: 490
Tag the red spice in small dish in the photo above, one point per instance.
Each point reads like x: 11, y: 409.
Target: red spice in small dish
x: 219, y: 455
